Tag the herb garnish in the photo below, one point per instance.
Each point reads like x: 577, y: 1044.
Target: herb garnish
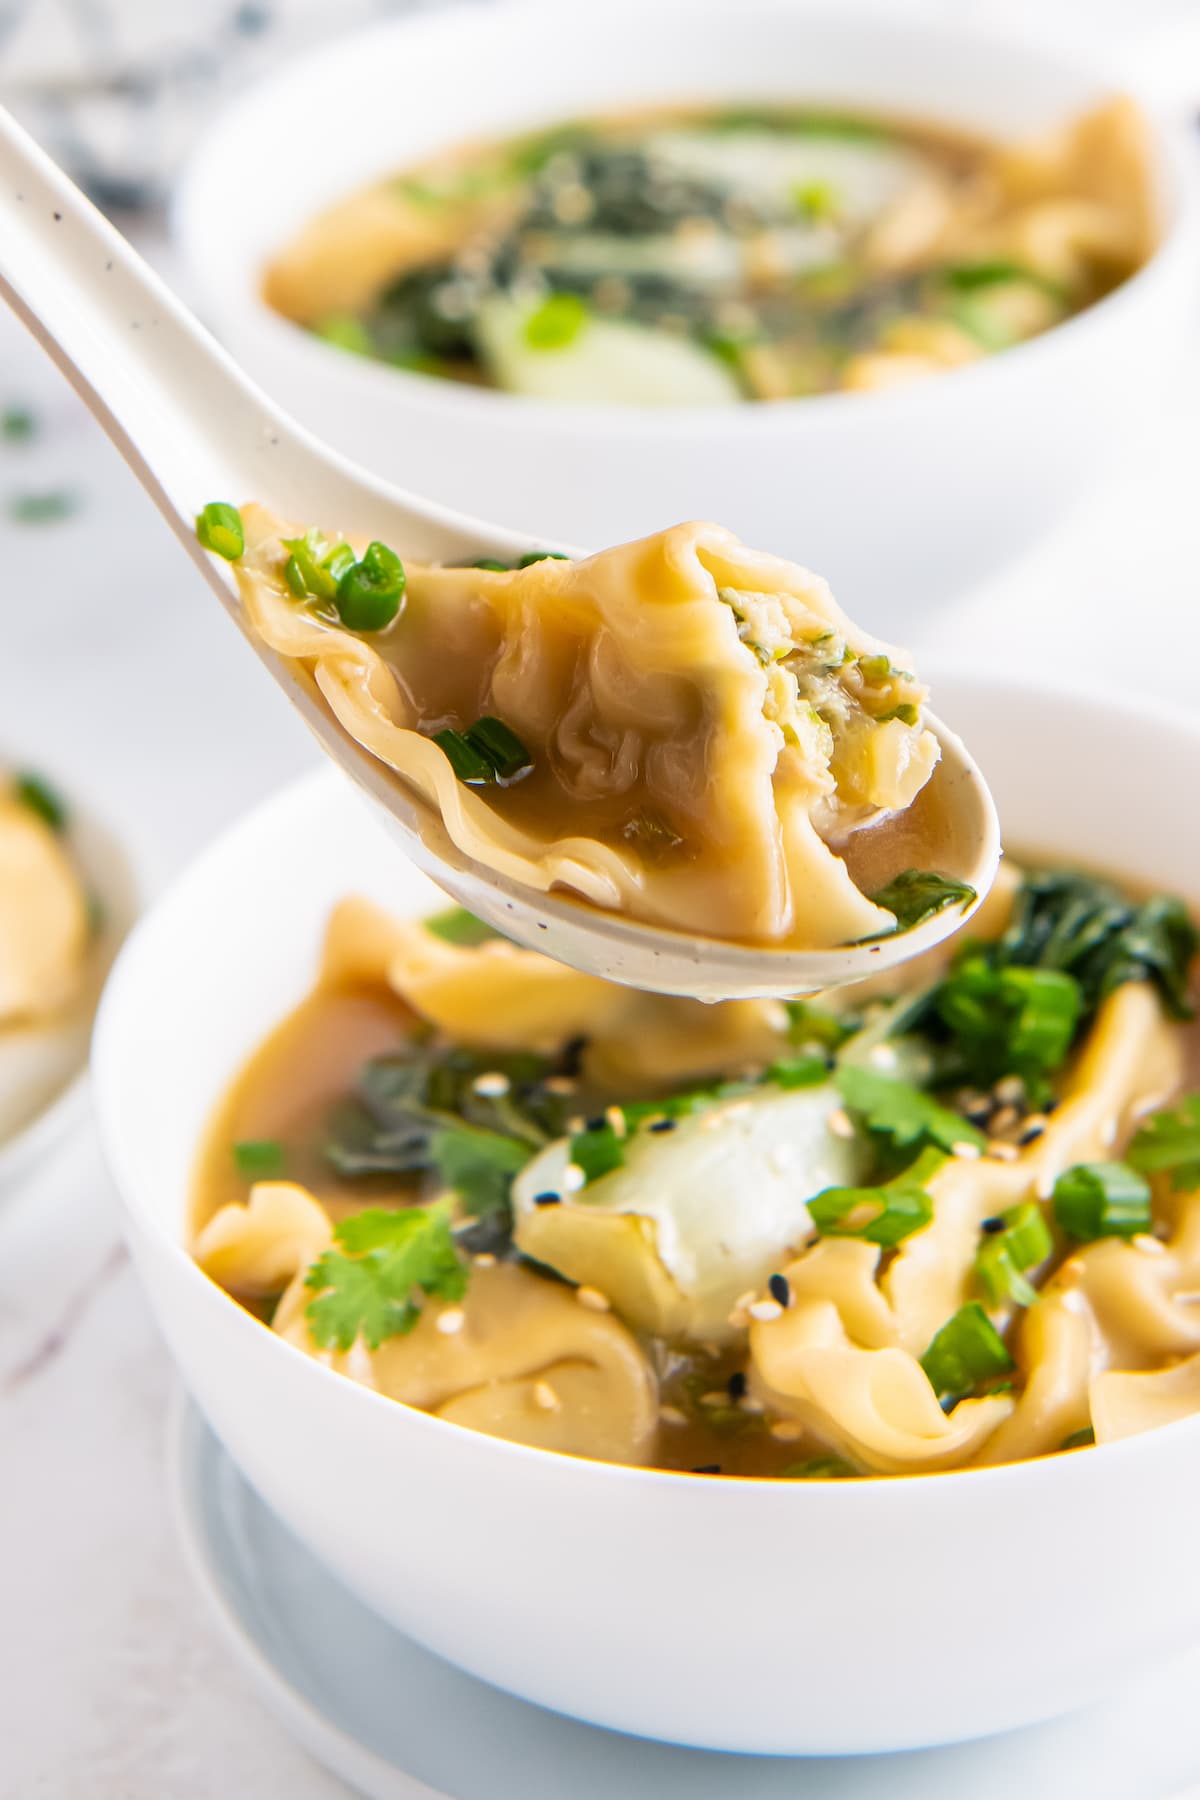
x: 966, y: 1351
x: 1102, y: 1199
x: 903, y: 1114
x: 371, y: 1285
x: 918, y: 894
x: 258, y: 1159
x: 1170, y: 1141
x: 883, y: 1215
x: 35, y: 792
x: 486, y: 754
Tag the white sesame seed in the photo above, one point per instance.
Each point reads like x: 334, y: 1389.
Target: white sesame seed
x: 616, y: 1121
x: 545, y: 1397
x: 491, y: 1085
x: 746, y: 1299
x: 765, y: 1310
x: 1001, y: 1152
x: 1004, y: 1119
x: 839, y: 1123
x: 485, y: 1260
x: 1010, y: 1091
x: 573, y: 1178
x: 450, y: 1321
x: 749, y: 1404
x: 671, y: 1415
x: 1143, y: 1241
x: 593, y: 1299
x: 787, y: 1430
x: 967, y: 1151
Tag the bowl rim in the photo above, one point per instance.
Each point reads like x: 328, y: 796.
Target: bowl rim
x: 1106, y: 700
x: 1177, y: 171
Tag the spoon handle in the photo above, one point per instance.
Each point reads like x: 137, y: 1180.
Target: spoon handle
x: 189, y: 422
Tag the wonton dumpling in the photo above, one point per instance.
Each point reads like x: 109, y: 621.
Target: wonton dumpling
x: 703, y: 723
x: 43, y: 917
x: 258, y: 1248
x: 696, y: 1216
x: 529, y: 1363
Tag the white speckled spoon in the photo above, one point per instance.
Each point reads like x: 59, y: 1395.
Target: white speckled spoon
x: 194, y: 429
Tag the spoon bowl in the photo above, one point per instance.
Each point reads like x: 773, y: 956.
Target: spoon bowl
x: 194, y: 428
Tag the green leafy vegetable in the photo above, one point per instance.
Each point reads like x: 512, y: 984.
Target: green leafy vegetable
x: 797, y: 1072
x: 35, y: 792
x: 458, y: 926
x: 479, y: 1166
x: 902, y: 1113
x: 1098, y: 1200
x: 884, y: 1215
x: 258, y: 1159
x: 219, y: 528
x: 917, y: 894
x: 1170, y: 1141
x: 967, y: 1350
x: 1003, y: 1257
x: 371, y: 1286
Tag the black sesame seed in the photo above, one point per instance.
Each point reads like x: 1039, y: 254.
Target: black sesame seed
x: 707, y: 1469
x: 662, y: 1125
x: 992, y: 1226
x: 779, y: 1290
x: 1031, y: 1134
x: 571, y: 1057
x: 547, y: 1199
x: 599, y: 1123
x: 736, y: 1385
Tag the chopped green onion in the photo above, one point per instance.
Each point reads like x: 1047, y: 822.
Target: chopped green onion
x: 37, y: 794
x: 1079, y: 1440
x: 557, y: 322
x: 967, y: 1350
x: 1103, y: 1199
x: 458, y: 926
x: 307, y: 570
x: 917, y: 894
x: 817, y: 200
x: 219, y: 529
x: 17, y: 424
x: 875, y: 668
x: 469, y: 764
x: 490, y: 563
x: 370, y: 592
x: 797, y: 1072
x: 502, y: 747
x: 259, y: 1158
x: 820, y: 1468
x: 537, y: 556
x: 1170, y: 1142
x: 884, y: 1215
x: 486, y: 753
x: 1003, y: 1258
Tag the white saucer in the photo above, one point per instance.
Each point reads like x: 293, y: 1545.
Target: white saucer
x: 397, y: 1723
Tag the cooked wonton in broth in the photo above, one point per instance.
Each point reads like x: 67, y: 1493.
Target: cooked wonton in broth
x: 45, y: 923
x: 681, y: 730
x: 947, y: 1221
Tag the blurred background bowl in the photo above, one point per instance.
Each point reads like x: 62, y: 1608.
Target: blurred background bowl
x: 901, y: 498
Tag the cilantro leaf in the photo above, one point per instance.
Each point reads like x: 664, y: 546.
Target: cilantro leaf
x: 917, y: 894
x: 902, y: 1113
x: 371, y: 1285
x: 1170, y: 1141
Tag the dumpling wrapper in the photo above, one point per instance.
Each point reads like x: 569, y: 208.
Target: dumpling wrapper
x: 529, y: 1363
x: 683, y: 774
x: 44, y: 928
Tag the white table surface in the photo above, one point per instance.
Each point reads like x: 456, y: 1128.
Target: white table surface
x: 116, y: 664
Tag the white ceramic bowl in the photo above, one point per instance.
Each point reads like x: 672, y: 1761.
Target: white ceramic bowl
x: 742, y: 1615
x: 899, y: 498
